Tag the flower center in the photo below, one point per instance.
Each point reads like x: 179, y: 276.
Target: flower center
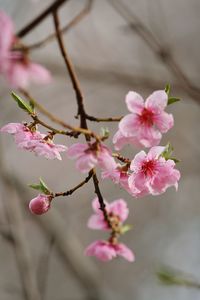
x: 148, y: 168
x: 146, y: 117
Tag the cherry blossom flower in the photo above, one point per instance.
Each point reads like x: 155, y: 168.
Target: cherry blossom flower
x: 14, y: 62
x: 119, y: 175
x: 152, y: 173
x: 106, y: 251
x: 89, y: 155
x: 147, y: 121
x: 40, y: 204
x: 117, y: 212
x: 49, y: 150
x: 33, y: 141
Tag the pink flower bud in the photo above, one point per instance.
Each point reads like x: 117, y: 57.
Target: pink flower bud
x: 40, y: 204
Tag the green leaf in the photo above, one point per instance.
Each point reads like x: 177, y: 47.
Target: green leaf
x: 32, y: 105
x: 172, y: 100
x: 22, y: 104
x: 105, y: 132
x: 125, y: 228
x: 167, y: 152
x: 42, y: 187
x: 175, y: 160
x: 167, y: 89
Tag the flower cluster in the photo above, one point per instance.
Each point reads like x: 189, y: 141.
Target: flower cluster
x: 15, y: 64
x: 28, y: 138
x: 106, y: 250
x: 148, y: 173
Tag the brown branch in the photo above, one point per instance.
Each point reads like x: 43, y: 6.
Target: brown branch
x: 163, y: 54
x: 24, y: 31
x: 81, y: 111
x: 71, y: 71
x: 101, y: 200
x: 121, y: 158
x: 71, y: 191
x: 110, y: 119
x: 78, y: 18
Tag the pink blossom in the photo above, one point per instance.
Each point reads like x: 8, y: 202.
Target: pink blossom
x: 106, y: 251
x: 152, y: 173
x: 33, y: 141
x: 14, y: 61
x: 117, y: 211
x: 147, y: 121
x: 40, y: 204
x: 119, y: 175
x: 49, y: 150
x: 89, y: 155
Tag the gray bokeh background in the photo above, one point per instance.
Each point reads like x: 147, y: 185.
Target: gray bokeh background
x: 110, y: 60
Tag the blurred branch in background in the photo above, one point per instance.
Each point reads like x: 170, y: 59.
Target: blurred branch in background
x: 66, y: 28
x: 68, y: 247
x: 171, y: 276
x: 164, y: 54
x: 16, y: 228
x: 36, y: 21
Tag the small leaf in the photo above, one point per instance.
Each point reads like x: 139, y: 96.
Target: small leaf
x: 172, y: 100
x: 105, y: 132
x: 22, y: 104
x: 35, y: 186
x: 32, y: 104
x: 42, y: 187
x: 167, y: 89
x: 125, y: 228
x: 175, y: 160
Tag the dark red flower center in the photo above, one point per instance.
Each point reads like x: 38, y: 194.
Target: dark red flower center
x: 148, y: 168
x: 146, y: 117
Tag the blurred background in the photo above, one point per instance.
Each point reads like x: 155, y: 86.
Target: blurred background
x: 118, y: 46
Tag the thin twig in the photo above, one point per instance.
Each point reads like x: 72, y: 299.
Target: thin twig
x: 109, y: 119
x: 121, y: 158
x: 71, y: 71
x: 65, y: 29
x: 81, y: 108
x: 19, y: 239
x: 24, y: 31
x: 71, y: 191
x: 163, y: 54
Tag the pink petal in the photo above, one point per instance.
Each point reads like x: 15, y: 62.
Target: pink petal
x: 135, y: 102
x: 157, y: 101
x: 38, y: 74
x: 76, y: 150
x: 106, y: 161
x: 97, y: 222
x: 149, y: 136
x: 17, y: 75
x: 86, y: 162
x: 102, y: 250
x: 164, y: 121
x: 137, y: 183
x: 124, y: 251
x: 6, y: 32
x: 129, y: 125
x: 138, y: 160
x: 120, y: 209
x: 12, y: 128
x: 120, y: 141
x: 155, y: 152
